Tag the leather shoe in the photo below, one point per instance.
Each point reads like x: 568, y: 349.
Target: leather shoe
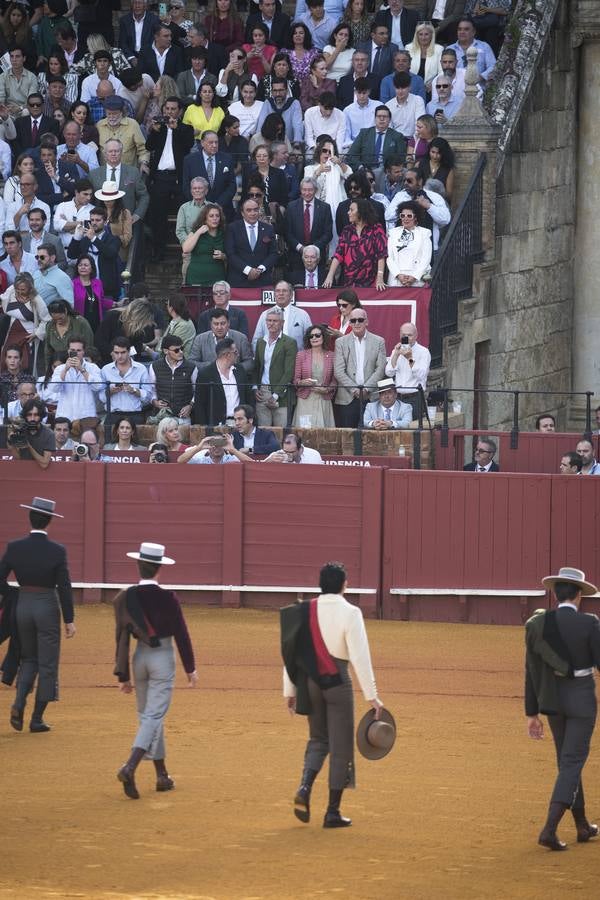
x: 164, y: 783
x: 336, y: 820
x: 38, y: 727
x: 588, y: 831
x: 126, y: 777
x: 551, y: 841
x: 16, y: 718
x: 302, y: 803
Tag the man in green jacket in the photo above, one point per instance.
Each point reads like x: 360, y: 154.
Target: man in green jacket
x: 275, y: 361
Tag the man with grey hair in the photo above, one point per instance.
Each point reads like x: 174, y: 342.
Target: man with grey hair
x: 485, y: 450
x: 311, y: 274
x: 307, y: 221
x: 409, y: 365
x: 295, y: 320
x: 279, y: 156
x: 187, y: 216
x: 128, y: 178
x: 221, y: 294
x: 275, y: 362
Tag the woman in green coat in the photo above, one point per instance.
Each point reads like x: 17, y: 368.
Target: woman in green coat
x: 206, y: 243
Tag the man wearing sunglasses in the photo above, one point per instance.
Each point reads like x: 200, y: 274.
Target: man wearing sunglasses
x: 31, y: 127
x: 484, y: 457
x: 359, y: 364
x: 50, y: 282
x: 173, y: 379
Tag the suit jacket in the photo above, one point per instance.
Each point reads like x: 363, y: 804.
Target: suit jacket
x: 321, y: 232
x: 471, y: 467
x: 203, y: 351
x: 386, y: 60
x: 401, y: 414
x: 298, y: 276
x: 239, y: 254
x: 345, y: 366
x: 345, y: 89
x: 183, y: 141
x: 174, y: 62
x: 283, y: 363
x: 109, y: 270
x: 136, y: 197
x: 49, y: 238
x: 264, y: 441
x: 23, y: 140
x: 297, y: 322
x: 278, y: 184
x: 409, y: 19
x: 127, y: 33
x: 67, y: 174
x: 224, y: 185
x: 280, y: 27
x: 453, y: 10
x: 362, y: 151
x: 303, y: 369
x: 187, y: 85
x: 36, y: 560
x: 210, y: 405
x: 238, y: 320
x: 217, y: 58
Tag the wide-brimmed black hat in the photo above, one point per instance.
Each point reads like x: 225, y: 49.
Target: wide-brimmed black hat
x: 375, y: 737
x: 41, y: 505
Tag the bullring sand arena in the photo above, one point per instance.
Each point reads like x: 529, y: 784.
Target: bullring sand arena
x: 453, y: 812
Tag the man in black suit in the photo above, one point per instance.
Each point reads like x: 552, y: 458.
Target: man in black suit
x: 128, y: 41
x: 445, y: 27
x: 564, y: 642
x: 56, y: 180
x: 213, y: 404
x: 484, y: 457
x: 251, y: 249
x: 311, y: 274
x: 221, y: 294
x: 171, y: 55
x: 344, y: 94
x: 217, y: 55
x: 380, y: 51
x: 247, y: 437
x: 276, y: 22
x: 400, y: 22
x: 307, y: 221
x: 169, y: 142
x: 217, y: 168
x: 31, y: 127
x: 40, y: 567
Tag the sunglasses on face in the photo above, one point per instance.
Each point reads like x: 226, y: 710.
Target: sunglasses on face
x: 357, y: 321
x: 342, y: 305
x: 34, y: 104
x: 314, y: 337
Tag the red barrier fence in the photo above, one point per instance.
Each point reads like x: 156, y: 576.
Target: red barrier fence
x: 421, y: 545
x: 535, y: 452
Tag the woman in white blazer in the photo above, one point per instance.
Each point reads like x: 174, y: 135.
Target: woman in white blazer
x: 425, y: 54
x: 409, y: 248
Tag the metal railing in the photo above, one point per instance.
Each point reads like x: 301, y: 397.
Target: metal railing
x: 452, y: 275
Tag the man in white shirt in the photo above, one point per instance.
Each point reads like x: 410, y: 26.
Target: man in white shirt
x: 295, y: 320
x: 405, y: 107
x: 324, y: 119
x: 78, y: 383
x: 16, y: 212
x: 456, y: 76
x: 409, y: 367
x: 66, y: 39
x: 103, y: 63
x: 433, y: 204
x: 75, y: 151
x: 16, y: 260
x: 361, y: 113
x: 127, y: 383
x: 388, y: 411
x: 247, y: 109
x: 69, y: 213
x: 294, y: 451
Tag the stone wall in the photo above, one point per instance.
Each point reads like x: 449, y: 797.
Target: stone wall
x: 525, y: 294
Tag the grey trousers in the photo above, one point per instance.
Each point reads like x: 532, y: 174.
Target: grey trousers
x: 572, y: 732
x: 331, y: 730
x: 38, y: 623
x: 154, y: 675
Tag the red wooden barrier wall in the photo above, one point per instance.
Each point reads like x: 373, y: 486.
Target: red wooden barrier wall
x: 536, y: 452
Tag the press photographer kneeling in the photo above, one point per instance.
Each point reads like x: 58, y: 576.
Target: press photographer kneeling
x: 28, y: 438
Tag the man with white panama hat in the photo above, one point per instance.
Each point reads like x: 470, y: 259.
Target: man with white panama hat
x: 40, y: 567
x: 564, y: 640
x: 154, y: 617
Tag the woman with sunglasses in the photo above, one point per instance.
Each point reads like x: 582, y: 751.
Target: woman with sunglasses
x: 409, y: 248
x: 314, y: 380
x: 330, y: 173
x: 339, y: 324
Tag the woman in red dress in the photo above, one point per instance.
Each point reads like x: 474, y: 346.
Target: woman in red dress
x: 362, y: 249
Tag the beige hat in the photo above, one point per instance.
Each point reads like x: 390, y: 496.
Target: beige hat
x: 153, y: 553
x: 569, y: 575
x: 41, y: 505
x: 375, y: 737
x: 110, y: 191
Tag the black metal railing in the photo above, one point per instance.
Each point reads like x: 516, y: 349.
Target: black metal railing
x: 452, y: 274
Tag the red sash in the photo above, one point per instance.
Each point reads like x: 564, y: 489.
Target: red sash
x: 325, y: 663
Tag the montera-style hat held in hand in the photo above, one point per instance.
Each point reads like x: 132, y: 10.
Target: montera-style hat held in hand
x: 568, y: 575
x: 375, y: 737
x: 152, y: 553
x: 41, y: 505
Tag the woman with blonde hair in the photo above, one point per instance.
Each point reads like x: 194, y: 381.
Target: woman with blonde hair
x: 28, y: 316
x: 135, y: 322
x: 95, y: 42
x: 425, y: 54
x: 164, y: 88
x: 168, y: 433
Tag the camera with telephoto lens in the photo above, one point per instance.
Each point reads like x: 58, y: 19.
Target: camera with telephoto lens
x: 159, y: 453
x: 161, y: 120
x: 20, y: 432
x: 81, y: 451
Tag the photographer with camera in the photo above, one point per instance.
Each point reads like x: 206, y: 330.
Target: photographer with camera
x: 220, y: 450
x: 159, y: 453
x: 77, y: 382
x: 409, y: 367
x: 29, y: 439
x: 169, y: 140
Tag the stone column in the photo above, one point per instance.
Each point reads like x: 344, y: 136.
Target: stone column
x: 586, y: 304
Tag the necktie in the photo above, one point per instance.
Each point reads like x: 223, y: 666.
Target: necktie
x: 311, y: 280
x: 210, y: 170
x: 34, y: 132
x: 113, y: 174
x: 252, y: 236
x: 480, y: 469
x: 378, y: 146
x: 307, y: 223
x: 387, y: 415
x: 375, y: 69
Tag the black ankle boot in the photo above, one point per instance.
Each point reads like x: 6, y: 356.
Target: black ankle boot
x: 16, y: 717
x: 37, y: 724
x: 302, y: 798
x: 585, y: 829
x: 548, y: 837
x: 126, y: 773
x: 163, y: 781
x: 333, y: 817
